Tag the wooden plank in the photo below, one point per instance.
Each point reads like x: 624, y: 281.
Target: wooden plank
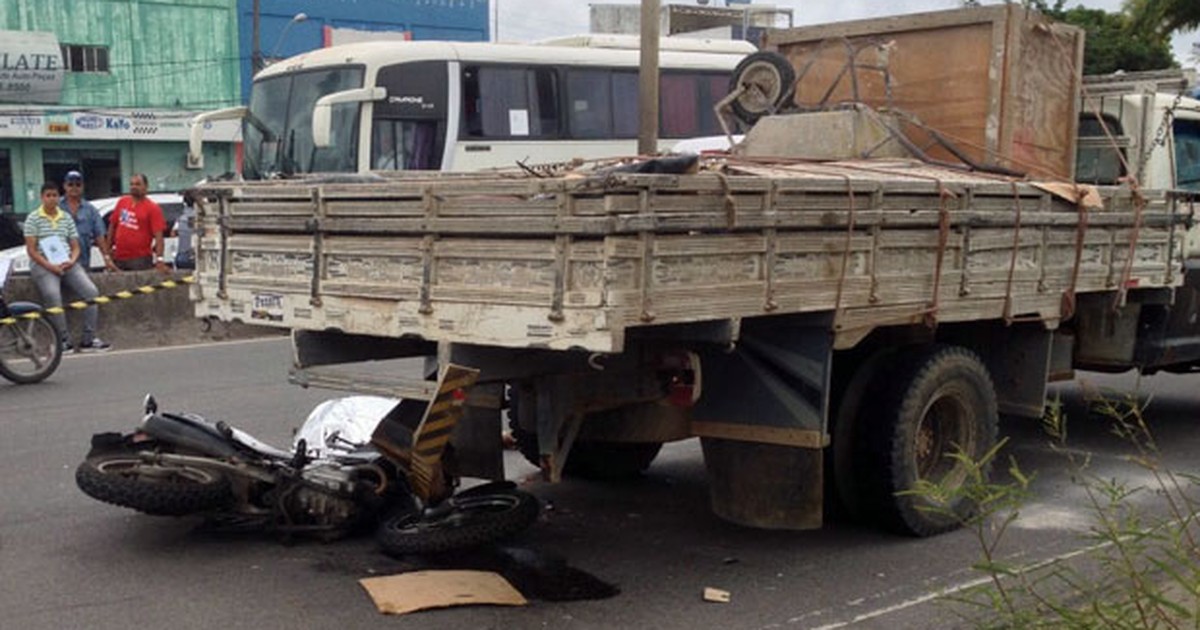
x: 803, y: 438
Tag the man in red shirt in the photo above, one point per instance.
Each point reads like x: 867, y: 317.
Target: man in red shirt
x: 137, y: 225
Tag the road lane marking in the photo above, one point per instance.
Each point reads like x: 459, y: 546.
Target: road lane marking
x: 932, y: 595
x: 958, y: 588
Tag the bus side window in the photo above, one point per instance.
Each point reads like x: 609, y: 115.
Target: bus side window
x: 472, y: 114
x: 713, y: 88
x: 410, y: 145
x: 545, y: 90
x: 589, y: 104
x: 509, y: 102
x: 679, y: 116
x: 687, y: 101
x: 626, y: 117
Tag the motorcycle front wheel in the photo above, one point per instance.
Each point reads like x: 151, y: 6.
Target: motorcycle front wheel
x: 30, y: 351
x: 160, y: 489
x: 467, y: 520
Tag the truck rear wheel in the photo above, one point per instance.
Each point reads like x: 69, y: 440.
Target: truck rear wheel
x: 594, y: 460
x: 588, y: 459
x: 934, y: 402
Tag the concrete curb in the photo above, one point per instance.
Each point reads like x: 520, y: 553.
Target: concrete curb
x: 163, y: 318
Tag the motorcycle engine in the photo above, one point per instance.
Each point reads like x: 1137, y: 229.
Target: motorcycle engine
x: 327, y: 497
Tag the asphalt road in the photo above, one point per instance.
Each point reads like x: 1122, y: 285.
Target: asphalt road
x: 67, y: 561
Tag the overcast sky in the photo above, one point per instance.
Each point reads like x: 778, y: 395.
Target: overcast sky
x: 524, y: 20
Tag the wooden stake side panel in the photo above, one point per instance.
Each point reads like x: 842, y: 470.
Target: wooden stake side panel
x: 571, y: 264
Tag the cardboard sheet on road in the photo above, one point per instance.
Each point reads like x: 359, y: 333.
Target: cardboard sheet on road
x: 423, y: 590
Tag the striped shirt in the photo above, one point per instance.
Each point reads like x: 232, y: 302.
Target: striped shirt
x: 41, y: 225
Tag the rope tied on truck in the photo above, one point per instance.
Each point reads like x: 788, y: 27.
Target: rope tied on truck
x: 837, y: 305
x: 100, y: 300
x: 1012, y: 263
x: 944, y: 194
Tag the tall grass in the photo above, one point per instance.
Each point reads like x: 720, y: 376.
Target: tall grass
x: 1139, y: 564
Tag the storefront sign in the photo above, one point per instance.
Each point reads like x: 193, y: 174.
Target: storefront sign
x: 58, y: 125
x: 31, y: 67
x: 117, y: 124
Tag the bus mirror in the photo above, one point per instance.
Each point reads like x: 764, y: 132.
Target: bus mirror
x: 322, y: 120
x: 195, y: 154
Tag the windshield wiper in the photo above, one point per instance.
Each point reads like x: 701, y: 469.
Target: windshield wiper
x: 288, y: 165
x: 268, y: 135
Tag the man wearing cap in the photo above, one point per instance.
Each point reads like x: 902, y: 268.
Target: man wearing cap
x: 87, y: 222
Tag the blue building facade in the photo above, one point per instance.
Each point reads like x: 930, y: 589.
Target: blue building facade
x: 280, y: 36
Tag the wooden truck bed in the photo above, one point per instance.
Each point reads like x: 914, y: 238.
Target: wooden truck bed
x: 575, y: 262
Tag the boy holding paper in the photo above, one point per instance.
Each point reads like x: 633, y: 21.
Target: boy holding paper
x: 52, y: 242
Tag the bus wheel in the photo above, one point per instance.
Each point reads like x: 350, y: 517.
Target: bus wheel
x: 769, y: 80
x: 937, y: 401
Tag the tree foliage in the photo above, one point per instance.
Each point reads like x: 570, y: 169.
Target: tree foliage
x: 1164, y: 17
x: 1115, y: 41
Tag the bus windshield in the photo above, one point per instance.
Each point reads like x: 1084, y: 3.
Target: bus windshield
x: 278, y: 129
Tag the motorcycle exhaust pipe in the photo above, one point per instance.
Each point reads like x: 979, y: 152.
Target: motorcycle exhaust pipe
x: 206, y: 462
x: 377, y: 471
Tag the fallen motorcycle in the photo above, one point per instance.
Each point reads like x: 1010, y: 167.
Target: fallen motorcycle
x: 356, y: 463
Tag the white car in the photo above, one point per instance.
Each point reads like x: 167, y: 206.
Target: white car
x: 172, y: 207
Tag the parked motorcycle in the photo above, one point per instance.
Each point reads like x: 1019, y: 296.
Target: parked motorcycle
x: 341, y: 475
x: 30, y: 348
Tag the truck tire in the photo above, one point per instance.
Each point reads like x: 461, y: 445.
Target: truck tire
x: 594, y: 460
x: 850, y: 401
x: 771, y: 81
x: 932, y: 401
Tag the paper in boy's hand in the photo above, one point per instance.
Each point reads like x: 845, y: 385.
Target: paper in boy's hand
x: 54, y: 248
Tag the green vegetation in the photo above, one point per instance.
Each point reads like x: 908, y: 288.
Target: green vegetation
x: 1139, y: 567
x: 1122, y: 41
x: 1164, y: 16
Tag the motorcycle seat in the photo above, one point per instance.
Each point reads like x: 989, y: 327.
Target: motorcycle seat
x: 18, y: 309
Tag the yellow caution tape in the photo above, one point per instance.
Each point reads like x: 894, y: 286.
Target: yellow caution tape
x: 101, y: 299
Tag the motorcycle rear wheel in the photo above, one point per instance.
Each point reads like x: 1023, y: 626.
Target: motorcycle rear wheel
x: 471, y: 519
x: 30, y: 351
x: 126, y: 480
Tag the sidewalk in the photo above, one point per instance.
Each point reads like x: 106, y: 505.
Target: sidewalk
x: 163, y: 318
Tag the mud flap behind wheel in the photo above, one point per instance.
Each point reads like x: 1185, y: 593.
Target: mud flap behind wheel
x: 415, y: 432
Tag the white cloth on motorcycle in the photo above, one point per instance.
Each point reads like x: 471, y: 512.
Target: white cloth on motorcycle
x: 342, y: 424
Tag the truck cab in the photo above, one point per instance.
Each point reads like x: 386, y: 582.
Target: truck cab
x: 1140, y: 128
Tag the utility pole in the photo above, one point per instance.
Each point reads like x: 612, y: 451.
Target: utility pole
x: 648, y: 79
x: 496, y: 21
x: 256, y: 58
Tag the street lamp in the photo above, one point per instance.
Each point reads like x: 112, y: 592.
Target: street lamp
x: 299, y: 17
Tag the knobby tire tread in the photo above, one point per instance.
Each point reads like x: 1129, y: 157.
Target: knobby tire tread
x: 888, y: 436
x: 149, y: 497
x: 481, y: 529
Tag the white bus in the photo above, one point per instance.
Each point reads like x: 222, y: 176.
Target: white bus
x: 465, y: 106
